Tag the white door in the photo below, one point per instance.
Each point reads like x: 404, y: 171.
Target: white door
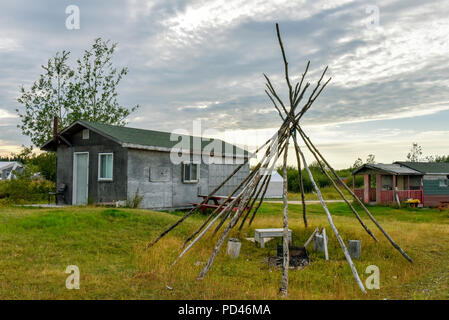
x: 80, y: 177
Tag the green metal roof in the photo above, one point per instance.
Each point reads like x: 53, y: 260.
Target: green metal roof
x: 395, y: 169
x: 135, y: 138
x: 427, y: 167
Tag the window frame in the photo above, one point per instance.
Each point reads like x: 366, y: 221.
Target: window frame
x: 85, y: 134
x: 197, y: 172
x: 444, y: 183
x: 99, y: 166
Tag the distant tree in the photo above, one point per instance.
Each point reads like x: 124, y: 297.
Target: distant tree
x: 437, y: 158
x: 48, y: 97
x: 415, y: 153
x: 88, y: 92
x: 442, y: 158
x: 371, y: 159
x: 94, y: 91
x: 357, y: 164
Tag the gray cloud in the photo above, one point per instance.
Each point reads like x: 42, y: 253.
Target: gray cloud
x: 204, y: 59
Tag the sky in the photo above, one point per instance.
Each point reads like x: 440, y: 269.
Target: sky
x: 204, y: 61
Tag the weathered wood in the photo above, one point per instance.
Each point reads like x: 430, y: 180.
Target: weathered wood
x: 260, y: 201
x: 259, y: 165
x: 331, y: 222
x: 229, y: 207
x: 311, y: 237
x: 243, y: 196
x: 393, y: 243
x: 338, y: 189
x: 193, y: 210
x: 219, y: 243
x: 326, y: 253
x: 262, y: 165
x: 301, y: 183
x: 285, y: 242
x: 266, y: 187
x: 261, y: 187
x: 287, y: 78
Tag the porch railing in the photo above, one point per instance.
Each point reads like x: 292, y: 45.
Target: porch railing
x: 372, y: 193
x: 386, y: 196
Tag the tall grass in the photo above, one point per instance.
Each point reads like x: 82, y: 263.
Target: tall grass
x: 108, y: 247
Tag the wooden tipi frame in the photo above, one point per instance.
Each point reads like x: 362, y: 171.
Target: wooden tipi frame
x: 253, y: 188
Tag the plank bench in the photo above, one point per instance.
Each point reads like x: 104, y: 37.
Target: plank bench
x: 260, y: 234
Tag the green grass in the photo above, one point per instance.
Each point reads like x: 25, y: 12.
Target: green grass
x: 328, y: 193
x: 108, y: 246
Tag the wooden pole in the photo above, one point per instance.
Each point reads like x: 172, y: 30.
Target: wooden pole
x: 220, y: 242
x: 226, y: 209
x: 274, y: 140
x: 265, y: 190
x: 326, y: 253
x: 281, y: 131
x: 285, y: 242
x: 265, y: 180
x: 301, y: 183
x: 262, y: 167
x: 331, y: 222
x: 338, y: 189
x: 396, y: 246
x: 150, y: 244
x: 311, y: 237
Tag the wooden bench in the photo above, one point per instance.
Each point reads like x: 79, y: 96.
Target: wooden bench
x: 443, y: 205
x: 260, y: 234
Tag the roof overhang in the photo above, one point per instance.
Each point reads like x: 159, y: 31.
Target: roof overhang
x: 51, y: 145
x: 374, y: 167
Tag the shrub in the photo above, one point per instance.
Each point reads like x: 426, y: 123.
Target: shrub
x: 135, y: 201
x: 23, y: 189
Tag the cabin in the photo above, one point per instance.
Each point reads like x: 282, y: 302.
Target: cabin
x: 104, y: 164
x: 8, y: 168
x: 427, y: 182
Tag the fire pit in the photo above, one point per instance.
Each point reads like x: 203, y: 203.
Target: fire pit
x: 298, y: 257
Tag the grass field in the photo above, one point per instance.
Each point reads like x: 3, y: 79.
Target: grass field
x: 107, y: 245
x: 328, y: 193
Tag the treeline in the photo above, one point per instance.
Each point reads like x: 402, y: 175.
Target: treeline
x: 320, y: 178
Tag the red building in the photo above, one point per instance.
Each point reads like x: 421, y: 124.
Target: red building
x: 388, y: 183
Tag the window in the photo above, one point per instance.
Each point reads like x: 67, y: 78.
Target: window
x: 191, y: 172
x: 85, y: 134
x: 105, y: 165
x: 444, y: 183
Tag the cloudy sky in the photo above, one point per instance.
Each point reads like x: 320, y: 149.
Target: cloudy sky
x: 203, y: 60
